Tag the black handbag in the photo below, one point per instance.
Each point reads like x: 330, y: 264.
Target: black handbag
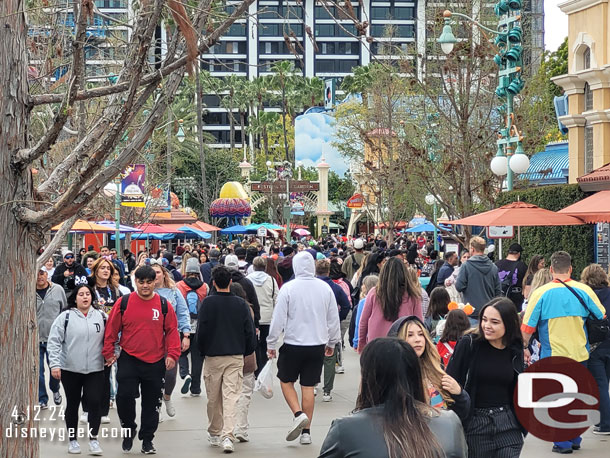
x: 597, y: 330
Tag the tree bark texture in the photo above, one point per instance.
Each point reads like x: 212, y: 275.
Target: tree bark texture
x: 18, y: 242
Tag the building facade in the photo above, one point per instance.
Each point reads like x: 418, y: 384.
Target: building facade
x: 587, y: 85
x: 323, y: 40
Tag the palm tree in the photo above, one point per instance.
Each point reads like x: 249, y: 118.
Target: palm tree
x: 231, y: 84
x: 312, y: 91
x: 283, y: 81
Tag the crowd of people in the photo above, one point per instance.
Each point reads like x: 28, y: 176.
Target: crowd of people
x: 438, y: 364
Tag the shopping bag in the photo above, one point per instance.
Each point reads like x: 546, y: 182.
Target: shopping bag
x: 264, y: 382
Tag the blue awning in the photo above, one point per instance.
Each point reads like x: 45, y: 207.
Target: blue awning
x: 198, y: 233
x: 550, y: 166
x: 234, y: 230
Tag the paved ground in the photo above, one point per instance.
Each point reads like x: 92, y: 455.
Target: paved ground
x: 185, y: 436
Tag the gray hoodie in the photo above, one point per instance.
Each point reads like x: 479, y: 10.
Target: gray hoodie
x: 79, y: 348
x: 478, y: 282
x: 266, y: 291
x: 48, y: 308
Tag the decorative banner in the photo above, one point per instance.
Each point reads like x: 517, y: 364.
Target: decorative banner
x: 356, y: 201
x: 132, y: 185
x: 297, y: 203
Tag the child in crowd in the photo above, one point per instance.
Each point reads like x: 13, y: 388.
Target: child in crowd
x: 456, y: 325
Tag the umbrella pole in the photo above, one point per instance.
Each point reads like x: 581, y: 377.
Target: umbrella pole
x: 519, y: 235
x: 500, y: 253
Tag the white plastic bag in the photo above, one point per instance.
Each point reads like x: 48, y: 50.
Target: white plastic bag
x: 264, y: 382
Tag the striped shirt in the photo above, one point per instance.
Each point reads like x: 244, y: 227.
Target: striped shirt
x: 560, y: 318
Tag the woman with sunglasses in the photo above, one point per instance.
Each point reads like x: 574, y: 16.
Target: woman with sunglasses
x: 166, y: 287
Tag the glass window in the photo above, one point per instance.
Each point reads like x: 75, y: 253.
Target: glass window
x: 336, y: 66
x: 236, y: 30
x: 393, y: 30
x: 588, y: 148
x: 588, y: 97
x: 586, y: 58
x: 343, y: 48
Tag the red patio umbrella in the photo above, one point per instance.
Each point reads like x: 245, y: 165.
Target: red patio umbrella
x: 593, y: 209
x: 518, y: 214
x: 149, y: 228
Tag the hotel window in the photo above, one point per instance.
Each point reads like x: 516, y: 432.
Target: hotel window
x: 588, y: 148
x: 588, y: 97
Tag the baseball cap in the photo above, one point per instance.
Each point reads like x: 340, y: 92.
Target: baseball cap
x: 231, y: 261
x: 358, y: 244
x: 515, y: 248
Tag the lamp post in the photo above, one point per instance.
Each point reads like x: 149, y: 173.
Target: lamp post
x: 431, y: 200
x: 509, y: 158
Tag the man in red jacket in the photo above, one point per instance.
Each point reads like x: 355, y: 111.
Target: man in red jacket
x: 150, y: 345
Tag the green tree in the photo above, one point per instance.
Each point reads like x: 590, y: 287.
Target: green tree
x: 284, y: 81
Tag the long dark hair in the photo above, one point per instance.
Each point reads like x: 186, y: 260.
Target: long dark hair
x: 71, y: 301
x: 510, y: 318
x: 391, y: 377
x: 392, y: 287
x: 439, y: 300
x: 532, y: 267
x: 372, y: 262
x: 456, y: 325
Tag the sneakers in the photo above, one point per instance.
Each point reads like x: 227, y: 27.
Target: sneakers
x: 327, y: 397
x: 105, y: 420
x: 43, y: 406
x: 196, y: 395
x: 242, y: 437
x: 186, y: 385
x: 562, y: 450
x: 84, y: 417
x: 74, y: 448
x: 339, y: 370
x: 315, y: 390
x: 297, y: 425
x: 227, y: 446
x: 169, y: 407
x: 305, y: 439
x: 94, y: 448
x: 597, y: 430
x: 214, y: 441
x: 161, y: 416
x: 148, y: 448
x: 112, y: 403
x: 128, y: 441
x: 57, y: 398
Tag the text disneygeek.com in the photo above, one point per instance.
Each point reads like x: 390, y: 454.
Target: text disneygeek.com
x: 61, y: 434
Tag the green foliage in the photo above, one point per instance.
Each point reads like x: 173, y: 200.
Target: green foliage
x: 576, y: 240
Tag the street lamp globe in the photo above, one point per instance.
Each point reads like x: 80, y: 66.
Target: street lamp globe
x: 430, y: 199
x: 299, y: 163
x: 110, y: 190
x: 519, y: 163
x: 180, y: 134
x: 268, y: 163
x: 499, y: 165
x: 447, y: 39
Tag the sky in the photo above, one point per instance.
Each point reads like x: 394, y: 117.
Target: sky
x: 555, y: 25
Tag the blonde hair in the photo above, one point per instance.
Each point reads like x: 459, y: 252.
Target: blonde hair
x: 478, y: 243
x: 185, y: 257
x: 594, y: 276
x: 429, y: 361
x: 541, y: 278
x: 369, y: 282
x: 168, y: 282
x: 96, y: 266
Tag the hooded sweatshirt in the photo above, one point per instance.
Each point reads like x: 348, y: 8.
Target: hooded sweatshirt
x: 306, y: 309
x: 78, y: 346
x: 48, y: 308
x: 478, y: 281
x: 266, y: 292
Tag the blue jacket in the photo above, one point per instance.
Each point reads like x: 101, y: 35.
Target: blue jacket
x: 174, y: 297
x: 206, y: 270
x: 340, y: 296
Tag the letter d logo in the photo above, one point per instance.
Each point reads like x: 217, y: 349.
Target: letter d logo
x: 526, y: 390
x: 155, y: 315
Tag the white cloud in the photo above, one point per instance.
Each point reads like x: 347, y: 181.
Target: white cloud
x: 314, y: 134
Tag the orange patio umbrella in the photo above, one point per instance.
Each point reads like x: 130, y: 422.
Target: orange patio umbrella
x: 80, y: 225
x: 593, y: 209
x: 205, y: 227
x: 518, y: 214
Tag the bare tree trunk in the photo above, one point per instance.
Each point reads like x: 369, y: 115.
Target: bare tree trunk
x: 19, y: 334
x: 284, y: 121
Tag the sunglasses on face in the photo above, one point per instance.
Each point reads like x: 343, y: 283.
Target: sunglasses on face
x: 69, y: 257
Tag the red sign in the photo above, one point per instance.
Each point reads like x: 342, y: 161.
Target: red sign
x: 356, y: 201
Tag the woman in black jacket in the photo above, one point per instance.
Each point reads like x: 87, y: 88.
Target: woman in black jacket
x: 487, y: 365
x: 392, y: 419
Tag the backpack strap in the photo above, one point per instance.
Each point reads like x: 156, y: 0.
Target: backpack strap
x: 66, y: 323
x: 125, y: 303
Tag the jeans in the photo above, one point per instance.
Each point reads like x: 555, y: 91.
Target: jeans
x: 599, y: 366
x: 577, y: 440
x: 53, y: 382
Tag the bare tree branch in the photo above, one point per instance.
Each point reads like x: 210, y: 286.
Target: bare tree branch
x: 56, y: 242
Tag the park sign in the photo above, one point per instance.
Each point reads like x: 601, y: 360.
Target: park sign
x: 279, y: 186
x: 356, y: 201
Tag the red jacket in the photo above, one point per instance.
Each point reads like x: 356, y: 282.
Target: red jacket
x: 142, y: 330
x: 445, y: 350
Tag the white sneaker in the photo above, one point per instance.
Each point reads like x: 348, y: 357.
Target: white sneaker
x: 327, y: 397
x: 242, y: 437
x: 161, y: 416
x: 315, y: 390
x: 74, y: 448
x: 305, y: 439
x: 84, y: 417
x: 227, y: 446
x: 214, y: 441
x: 169, y: 407
x: 94, y: 448
x: 339, y: 370
x: 105, y: 420
x: 297, y: 426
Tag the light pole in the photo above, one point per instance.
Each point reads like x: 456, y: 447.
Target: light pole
x: 509, y: 157
x: 431, y: 200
